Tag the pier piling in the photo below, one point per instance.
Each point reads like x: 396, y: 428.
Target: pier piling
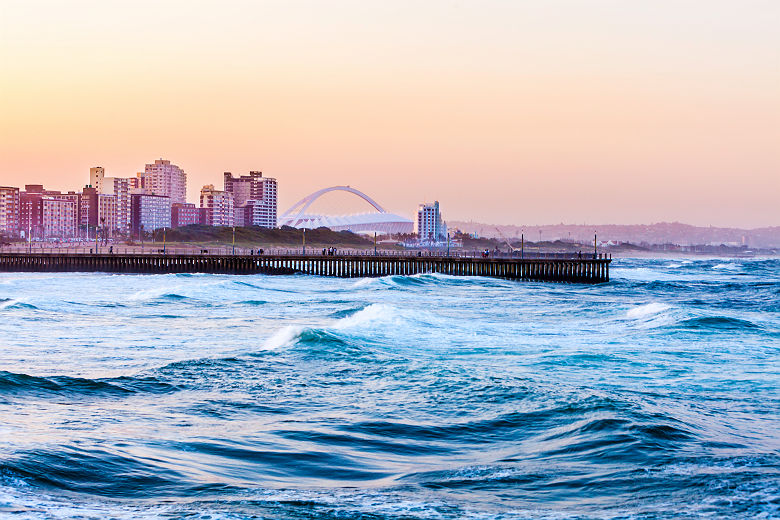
x: 579, y: 270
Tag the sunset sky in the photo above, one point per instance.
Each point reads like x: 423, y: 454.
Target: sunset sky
x: 513, y: 112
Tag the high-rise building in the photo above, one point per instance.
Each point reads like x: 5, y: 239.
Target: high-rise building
x: 75, y: 198
x: 9, y: 211
x: 184, y: 215
x: 97, y: 212
x: 88, y: 212
x: 107, y: 214
x: 258, y: 213
x: 164, y: 178
x: 46, y: 213
x: 149, y: 212
x: 120, y: 188
x: 430, y: 226
x: 58, y: 217
x: 96, y: 176
x: 217, y: 206
x: 30, y: 209
x: 137, y: 182
x: 254, y: 198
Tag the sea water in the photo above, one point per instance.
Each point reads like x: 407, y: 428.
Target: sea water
x: 656, y: 395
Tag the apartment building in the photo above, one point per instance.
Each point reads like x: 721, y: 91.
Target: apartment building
x: 119, y: 188
x: 254, y: 198
x: 163, y: 178
x: 148, y: 213
x: 9, y: 211
x: 217, y: 206
x: 185, y: 214
x: 430, y: 226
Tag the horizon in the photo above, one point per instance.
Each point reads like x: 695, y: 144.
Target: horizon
x: 505, y: 113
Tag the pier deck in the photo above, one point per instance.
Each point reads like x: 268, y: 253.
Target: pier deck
x: 573, y: 270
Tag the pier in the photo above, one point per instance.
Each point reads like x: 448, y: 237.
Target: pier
x: 593, y: 269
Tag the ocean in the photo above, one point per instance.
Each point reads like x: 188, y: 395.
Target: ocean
x: 654, y: 396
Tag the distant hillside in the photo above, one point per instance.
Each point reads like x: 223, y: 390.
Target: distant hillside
x: 660, y: 233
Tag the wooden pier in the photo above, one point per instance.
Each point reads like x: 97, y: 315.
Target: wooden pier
x: 594, y: 269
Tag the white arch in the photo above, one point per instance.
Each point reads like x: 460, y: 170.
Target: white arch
x: 307, y: 201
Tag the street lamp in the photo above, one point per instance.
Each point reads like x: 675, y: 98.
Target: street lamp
x: 234, y: 240
x: 304, y: 241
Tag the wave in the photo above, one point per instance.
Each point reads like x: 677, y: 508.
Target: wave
x: 93, y: 471
x: 9, y: 303
x: 252, y: 303
x: 193, y: 367
x: 718, y: 323
x: 539, y: 493
x: 374, y: 314
x: 361, y: 329
x: 406, y: 282
x: 647, y: 310
x: 171, y: 288
x: 158, y: 293
x: 727, y: 267
x: 15, y: 384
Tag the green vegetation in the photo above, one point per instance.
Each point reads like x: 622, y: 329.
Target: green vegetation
x: 284, y: 236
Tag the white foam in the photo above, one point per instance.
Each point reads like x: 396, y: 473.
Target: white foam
x: 284, y: 337
x: 371, y: 315
x: 646, y: 310
x: 363, y: 282
x: 644, y: 274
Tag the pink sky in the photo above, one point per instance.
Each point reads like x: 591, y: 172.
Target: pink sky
x: 505, y: 111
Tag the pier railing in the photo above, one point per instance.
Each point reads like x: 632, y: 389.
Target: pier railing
x: 591, y: 269
x: 157, y: 249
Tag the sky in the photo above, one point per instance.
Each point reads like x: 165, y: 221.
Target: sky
x: 510, y: 112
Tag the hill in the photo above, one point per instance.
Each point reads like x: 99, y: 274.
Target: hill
x: 257, y: 236
x: 659, y: 233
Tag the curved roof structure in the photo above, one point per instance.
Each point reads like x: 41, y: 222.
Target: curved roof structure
x: 379, y: 222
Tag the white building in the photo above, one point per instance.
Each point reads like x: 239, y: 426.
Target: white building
x: 257, y: 213
x: 217, y: 205
x: 380, y: 222
x: 430, y: 226
x: 120, y: 188
x: 149, y: 212
x: 164, y: 178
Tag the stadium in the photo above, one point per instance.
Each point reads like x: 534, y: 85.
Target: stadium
x: 380, y: 222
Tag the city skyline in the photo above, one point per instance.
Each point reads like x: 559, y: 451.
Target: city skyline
x: 603, y: 112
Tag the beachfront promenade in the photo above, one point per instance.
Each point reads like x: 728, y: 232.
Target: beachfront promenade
x: 551, y: 268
